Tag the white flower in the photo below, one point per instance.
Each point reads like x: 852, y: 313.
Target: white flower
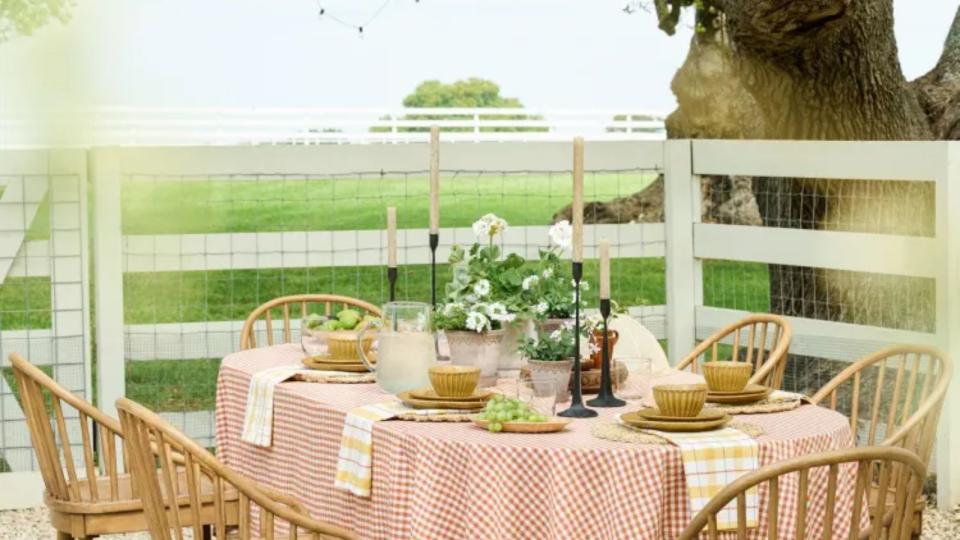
x: 489, y: 225
x: 451, y: 308
x: 547, y: 272
x: 481, y: 228
x: 530, y: 281
x: 498, y: 312
x: 482, y: 288
x: 477, y: 321
x: 556, y: 335
x: 585, y: 285
x: 561, y: 234
x: 542, y: 307
x: 591, y: 348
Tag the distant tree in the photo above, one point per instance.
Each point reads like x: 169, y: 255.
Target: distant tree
x: 470, y: 93
x: 23, y: 17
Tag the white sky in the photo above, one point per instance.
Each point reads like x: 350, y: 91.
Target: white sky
x: 278, y: 53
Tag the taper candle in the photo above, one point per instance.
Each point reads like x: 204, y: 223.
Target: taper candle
x: 577, y: 199
x: 434, y: 180
x: 392, y: 236
x: 604, y: 269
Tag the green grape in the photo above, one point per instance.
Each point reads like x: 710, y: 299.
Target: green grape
x: 495, y: 427
x: 503, y: 416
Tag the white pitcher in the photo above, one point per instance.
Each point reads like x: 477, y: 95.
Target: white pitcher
x: 405, y: 347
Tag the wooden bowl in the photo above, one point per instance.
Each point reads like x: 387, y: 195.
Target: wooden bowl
x: 680, y: 400
x: 342, y: 345
x: 727, y: 376
x: 454, y: 381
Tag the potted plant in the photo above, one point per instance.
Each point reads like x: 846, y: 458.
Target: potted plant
x: 549, y: 287
x: 548, y: 354
x: 482, y: 308
x: 595, y: 328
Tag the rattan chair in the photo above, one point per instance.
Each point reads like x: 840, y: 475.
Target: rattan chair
x: 892, y: 468
x: 88, y: 493
x: 758, y: 334
x: 903, y: 407
x: 152, y: 442
x: 248, y: 337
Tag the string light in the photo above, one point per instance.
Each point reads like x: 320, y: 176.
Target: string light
x: 359, y: 28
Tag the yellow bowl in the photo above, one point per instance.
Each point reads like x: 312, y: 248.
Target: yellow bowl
x: 454, y: 381
x: 727, y: 376
x: 342, y: 345
x: 680, y: 400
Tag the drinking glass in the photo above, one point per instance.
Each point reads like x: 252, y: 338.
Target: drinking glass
x: 539, y: 393
x: 640, y: 374
x: 313, y: 342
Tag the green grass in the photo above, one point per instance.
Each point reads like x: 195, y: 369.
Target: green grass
x: 174, y: 385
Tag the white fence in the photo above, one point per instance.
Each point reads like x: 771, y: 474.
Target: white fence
x: 683, y: 240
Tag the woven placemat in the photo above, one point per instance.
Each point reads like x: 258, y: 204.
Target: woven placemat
x: 436, y: 417
x: 613, y: 431
x: 335, y: 379
x: 775, y: 402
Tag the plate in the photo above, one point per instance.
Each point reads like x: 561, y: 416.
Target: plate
x: 432, y: 395
x: 313, y: 363
x: 326, y: 359
x: 737, y: 398
x: 749, y: 389
x: 705, y: 425
x: 550, y: 426
x: 436, y: 404
x: 653, y: 414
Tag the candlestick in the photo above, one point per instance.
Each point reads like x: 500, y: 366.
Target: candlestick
x: 606, y: 398
x: 434, y: 180
x: 577, y: 208
x: 576, y: 409
x: 604, y: 269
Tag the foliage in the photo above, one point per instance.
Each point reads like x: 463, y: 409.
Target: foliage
x: 23, y: 17
x: 595, y: 322
x: 549, y: 287
x: 485, y: 291
x: 553, y: 347
x: 470, y: 93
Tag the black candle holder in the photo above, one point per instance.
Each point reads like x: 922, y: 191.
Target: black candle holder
x: 577, y: 409
x: 434, y: 242
x: 392, y: 278
x: 606, y: 398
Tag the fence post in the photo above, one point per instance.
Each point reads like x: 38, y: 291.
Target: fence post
x: 948, y: 438
x: 681, y: 202
x: 108, y: 277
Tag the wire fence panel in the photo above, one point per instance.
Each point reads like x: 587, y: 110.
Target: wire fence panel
x: 44, y: 301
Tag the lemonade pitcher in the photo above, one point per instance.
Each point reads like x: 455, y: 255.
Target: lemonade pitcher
x: 405, y: 347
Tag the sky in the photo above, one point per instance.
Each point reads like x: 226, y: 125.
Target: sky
x: 551, y: 54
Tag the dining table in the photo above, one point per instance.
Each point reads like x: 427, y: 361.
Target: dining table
x: 456, y: 480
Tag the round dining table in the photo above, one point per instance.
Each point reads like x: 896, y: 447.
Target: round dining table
x: 455, y: 480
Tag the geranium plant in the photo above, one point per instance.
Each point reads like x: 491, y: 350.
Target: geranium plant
x: 549, y: 289
x: 549, y: 347
x: 484, y: 293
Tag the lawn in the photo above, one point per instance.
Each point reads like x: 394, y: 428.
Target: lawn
x: 174, y: 206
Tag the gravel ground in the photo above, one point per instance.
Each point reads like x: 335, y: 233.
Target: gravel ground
x: 32, y: 523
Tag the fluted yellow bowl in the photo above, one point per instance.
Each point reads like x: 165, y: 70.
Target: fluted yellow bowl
x: 680, y: 400
x: 727, y: 376
x: 454, y: 381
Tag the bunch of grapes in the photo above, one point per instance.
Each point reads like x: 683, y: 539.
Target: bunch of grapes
x: 502, y: 409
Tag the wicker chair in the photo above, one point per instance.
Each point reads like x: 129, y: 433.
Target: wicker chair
x: 764, y: 332
x: 170, y: 506
x: 248, y: 337
x: 87, y: 492
x: 892, y: 468
x: 909, y: 384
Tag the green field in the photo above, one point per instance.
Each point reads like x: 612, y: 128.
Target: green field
x: 188, y: 206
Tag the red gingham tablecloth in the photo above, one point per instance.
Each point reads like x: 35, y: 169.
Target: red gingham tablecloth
x: 453, y: 480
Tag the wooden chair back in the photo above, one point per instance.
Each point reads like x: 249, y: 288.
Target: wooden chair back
x: 761, y: 339
x: 896, y: 469
x: 161, y: 456
x: 75, y: 443
x: 908, y: 382
x: 248, y: 337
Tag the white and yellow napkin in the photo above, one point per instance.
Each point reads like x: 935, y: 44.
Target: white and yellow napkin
x: 355, y: 462
x: 712, y: 460
x: 258, y: 417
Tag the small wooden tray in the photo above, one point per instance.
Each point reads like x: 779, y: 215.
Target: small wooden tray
x: 652, y: 414
x: 706, y: 425
x: 435, y: 404
x: 552, y: 425
x: 431, y: 395
x: 313, y: 363
x: 750, y: 395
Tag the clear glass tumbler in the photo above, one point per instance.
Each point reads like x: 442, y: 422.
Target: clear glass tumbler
x: 538, y: 392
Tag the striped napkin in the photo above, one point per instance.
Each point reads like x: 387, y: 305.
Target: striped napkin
x: 712, y: 460
x: 258, y: 417
x: 355, y: 463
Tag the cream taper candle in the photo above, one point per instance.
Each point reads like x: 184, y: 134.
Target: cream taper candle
x: 434, y: 180
x: 392, y: 236
x: 577, y: 199
x: 604, y: 269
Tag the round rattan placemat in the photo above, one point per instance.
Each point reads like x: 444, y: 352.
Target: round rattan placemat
x: 359, y: 378
x: 767, y: 405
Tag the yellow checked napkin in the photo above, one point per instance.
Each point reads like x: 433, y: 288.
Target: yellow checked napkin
x: 258, y: 417
x: 355, y: 462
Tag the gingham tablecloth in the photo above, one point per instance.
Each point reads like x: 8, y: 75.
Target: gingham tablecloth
x: 442, y: 480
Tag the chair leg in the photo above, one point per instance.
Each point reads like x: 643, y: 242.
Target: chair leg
x: 63, y: 536
x: 208, y: 532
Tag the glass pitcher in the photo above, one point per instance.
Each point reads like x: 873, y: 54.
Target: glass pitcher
x: 405, y: 347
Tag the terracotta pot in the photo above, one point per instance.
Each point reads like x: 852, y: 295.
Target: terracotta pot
x: 559, y: 370
x: 596, y: 338
x: 590, y: 379
x: 550, y: 325
x: 468, y: 348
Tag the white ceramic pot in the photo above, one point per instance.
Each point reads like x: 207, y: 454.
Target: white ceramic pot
x: 559, y: 370
x: 468, y: 348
